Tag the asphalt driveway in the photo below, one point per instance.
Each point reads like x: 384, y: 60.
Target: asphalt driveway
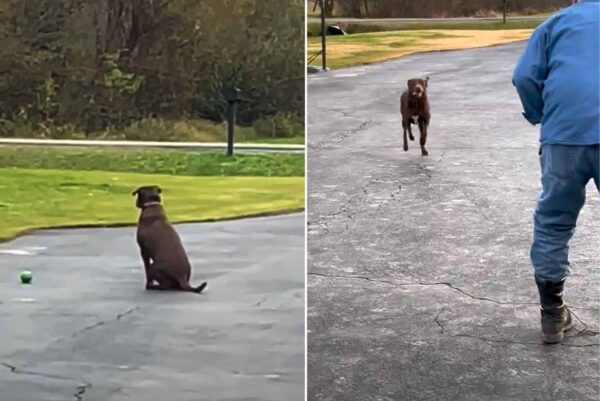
x: 420, y: 285
x: 86, y: 330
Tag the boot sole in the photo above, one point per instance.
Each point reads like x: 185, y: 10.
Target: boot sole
x: 555, y: 338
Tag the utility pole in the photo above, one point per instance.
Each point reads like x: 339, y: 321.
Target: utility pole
x: 232, y: 96
x: 323, y: 36
x: 504, y: 8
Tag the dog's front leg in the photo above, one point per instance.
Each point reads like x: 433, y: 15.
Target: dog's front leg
x: 405, y: 124
x: 147, y: 266
x: 423, y: 138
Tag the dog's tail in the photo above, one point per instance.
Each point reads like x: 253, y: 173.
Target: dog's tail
x: 187, y: 287
x: 200, y: 288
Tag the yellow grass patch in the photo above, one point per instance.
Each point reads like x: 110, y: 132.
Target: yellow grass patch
x: 344, y: 51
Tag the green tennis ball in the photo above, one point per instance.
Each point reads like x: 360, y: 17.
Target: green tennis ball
x: 26, y: 277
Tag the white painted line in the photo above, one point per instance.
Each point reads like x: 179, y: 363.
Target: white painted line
x: 23, y: 299
x: 345, y: 75
x: 15, y: 252
x: 150, y: 144
x: 26, y: 251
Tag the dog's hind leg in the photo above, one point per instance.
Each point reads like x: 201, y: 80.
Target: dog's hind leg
x: 157, y: 287
x: 423, y: 138
x: 165, y: 282
x: 410, y: 134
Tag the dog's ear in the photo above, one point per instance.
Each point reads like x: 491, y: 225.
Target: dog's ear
x: 426, y: 80
x: 158, y: 189
x: 409, y: 82
x: 137, y: 191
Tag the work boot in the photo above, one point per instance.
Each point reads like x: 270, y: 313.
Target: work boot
x: 556, y: 318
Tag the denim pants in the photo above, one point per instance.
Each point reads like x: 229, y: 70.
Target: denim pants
x: 566, y: 170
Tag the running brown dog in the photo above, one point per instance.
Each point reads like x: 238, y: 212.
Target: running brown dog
x: 165, y: 259
x: 414, y: 108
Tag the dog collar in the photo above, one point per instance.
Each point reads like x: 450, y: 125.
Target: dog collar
x: 145, y: 205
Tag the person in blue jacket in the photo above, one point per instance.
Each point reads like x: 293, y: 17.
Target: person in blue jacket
x: 557, y: 79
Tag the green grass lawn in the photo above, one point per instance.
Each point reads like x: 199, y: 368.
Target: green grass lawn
x: 365, y: 48
x: 172, y: 162
x: 48, y: 187
x: 32, y: 198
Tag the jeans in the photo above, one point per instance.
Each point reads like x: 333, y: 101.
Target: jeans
x: 566, y: 170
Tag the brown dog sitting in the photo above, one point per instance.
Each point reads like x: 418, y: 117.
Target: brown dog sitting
x: 164, y: 257
x: 414, y: 108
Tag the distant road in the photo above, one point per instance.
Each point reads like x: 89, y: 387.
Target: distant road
x: 201, y: 146
x: 461, y: 19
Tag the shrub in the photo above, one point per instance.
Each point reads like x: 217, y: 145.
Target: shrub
x: 67, y: 131
x: 159, y: 129
x: 278, y: 126
x: 26, y: 129
x: 17, y: 129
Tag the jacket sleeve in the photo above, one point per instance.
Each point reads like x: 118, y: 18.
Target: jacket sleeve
x: 529, y: 75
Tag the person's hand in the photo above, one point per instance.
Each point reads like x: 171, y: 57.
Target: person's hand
x: 532, y: 122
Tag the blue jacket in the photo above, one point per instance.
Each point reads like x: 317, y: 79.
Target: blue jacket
x: 557, y: 77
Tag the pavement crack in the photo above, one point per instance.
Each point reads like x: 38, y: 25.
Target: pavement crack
x: 80, y: 391
x: 436, y: 319
x: 340, y: 136
x: 341, y: 111
x: 102, y: 322
x: 585, y: 332
x: 479, y: 298
x: 127, y: 312
x: 351, y: 277
x: 93, y: 326
x: 424, y: 284
x: 260, y: 302
x: 20, y: 371
x: 11, y: 367
x: 322, y: 221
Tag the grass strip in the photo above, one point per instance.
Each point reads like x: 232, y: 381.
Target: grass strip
x: 171, y: 162
x: 31, y: 198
